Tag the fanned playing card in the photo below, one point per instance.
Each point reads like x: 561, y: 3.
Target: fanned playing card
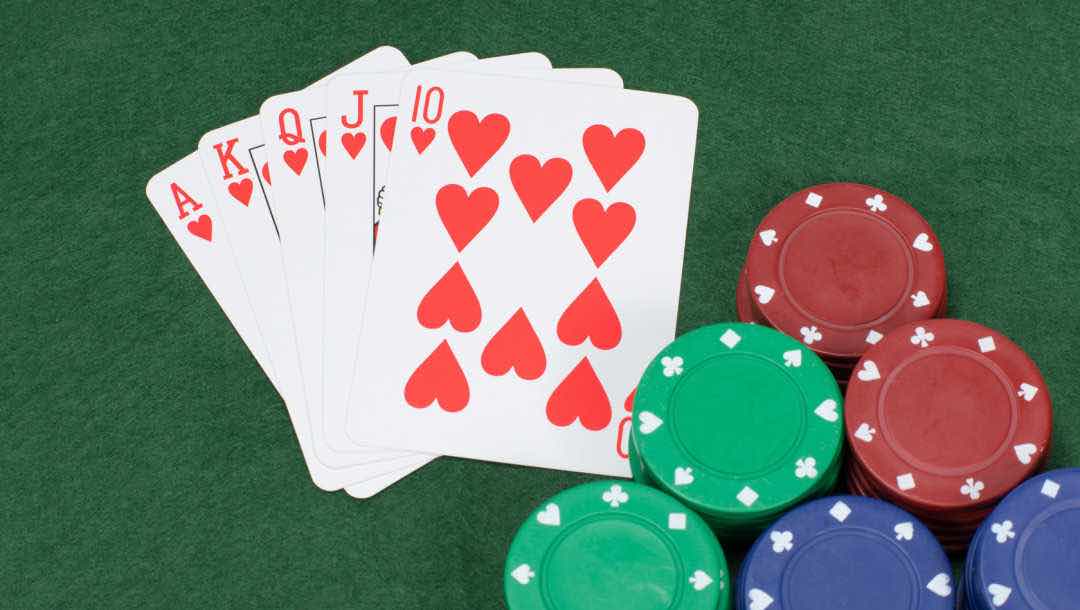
x: 528, y: 267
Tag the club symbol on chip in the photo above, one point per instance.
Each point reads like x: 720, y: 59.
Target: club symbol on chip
x: 616, y: 496
x: 810, y: 334
x: 1003, y: 532
x: 922, y: 337
x: 972, y: 488
x: 782, y: 542
x: 806, y: 468
x: 876, y: 203
x: 673, y: 365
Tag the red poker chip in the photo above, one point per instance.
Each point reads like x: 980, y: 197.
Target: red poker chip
x: 840, y: 265
x: 947, y: 415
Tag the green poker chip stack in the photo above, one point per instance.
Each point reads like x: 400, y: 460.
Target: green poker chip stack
x: 615, y: 545
x: 740, y: 423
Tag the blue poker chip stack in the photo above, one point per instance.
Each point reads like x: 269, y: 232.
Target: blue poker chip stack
x: 1026, y: 555
x: 846, y: 553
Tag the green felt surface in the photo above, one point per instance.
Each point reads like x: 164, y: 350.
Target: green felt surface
x: 146, y: 460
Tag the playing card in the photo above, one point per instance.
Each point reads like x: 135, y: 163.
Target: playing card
x: 353, y: 183
x: 293, y: 126
x: 527, y: 269
x: 180, y: 195
x: 233, y: 172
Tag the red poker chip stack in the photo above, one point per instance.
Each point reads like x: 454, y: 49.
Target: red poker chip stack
x: 838, y: 266
x: 943, y: 418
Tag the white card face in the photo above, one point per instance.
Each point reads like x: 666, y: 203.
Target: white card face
x: 181, y: 196
x: 528, y: 268
x: 294, y: 129
x: 350, y: 98
x: 233, y: 159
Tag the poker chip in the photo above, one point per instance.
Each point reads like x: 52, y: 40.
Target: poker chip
x: 616, y: 545
x: 739, y: 422
x: 1027, y: 553
x: 840, y: 265
x: 846, y: 552
x: 944, y: 417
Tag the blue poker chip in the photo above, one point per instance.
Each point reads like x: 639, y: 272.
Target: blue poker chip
x: 1026, y: 555
x: 846, y: 553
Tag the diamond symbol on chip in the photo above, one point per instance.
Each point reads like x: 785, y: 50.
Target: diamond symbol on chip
x: 813, y: 200
x: 793, y: 358
x: 747, y: 497
x: 873, y: 337
x: 730, y: 338
x: 986, y: 344
x: 906, y: 481
x: 840, y: 511
x: 1027, y: 392
x: 1050, y: 489
x: 676, y: 521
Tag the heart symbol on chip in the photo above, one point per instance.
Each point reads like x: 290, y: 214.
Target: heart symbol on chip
x: 759, y: 600
x: 684, y: 476
x: 649, y: 422
x: 353, y: 143
x: 999, y: 594
x: 764, y: 293
x: 611, y: 155
x: 904, y: 531
x: 940, y: 586
x: 922, y: 243
x: 241, y: 191
x: 295, y: 159
x: 523, y: 574
x: 919, y: 299
x: 550, y: 515
x: 700, y: 580
x: 768, y: 237
x: 793, y: 358
x: 827, y: 410
x: 476, y: 140
x: 1024, y: 452
x: 865, y: 433
x: 869, y: 371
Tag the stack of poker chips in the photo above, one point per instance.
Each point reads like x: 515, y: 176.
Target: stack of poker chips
x: 945, y: 417
x: 615, y: 544
x: 846, y: 552
x: 1025, y: 555
x: 740, y: 423
x: 838, y: 266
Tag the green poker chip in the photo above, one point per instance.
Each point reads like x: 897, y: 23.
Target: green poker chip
x: 739, y: 422
x: 615, y: 545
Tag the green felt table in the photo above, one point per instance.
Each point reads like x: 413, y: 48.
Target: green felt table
x: 147, y: 461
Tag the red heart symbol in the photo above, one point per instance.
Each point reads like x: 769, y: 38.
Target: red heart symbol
x: 515, y: 346
x: 241, y: 191
x: 590, y: 316
x: 612, y: 155
x: 538, y: 186
x: 421, y: 138
x: 465, y: 215
x: 580, y: 396
x: 451, y: 299
x: 202, y: 227
x: 266, y: 172
x: 353, y: 143
x: 438, y: 378
x: 322, y: 143
x: 600, y: 230
x: 295, y: 159
x: 477, y: 141
x: 386, y: 132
